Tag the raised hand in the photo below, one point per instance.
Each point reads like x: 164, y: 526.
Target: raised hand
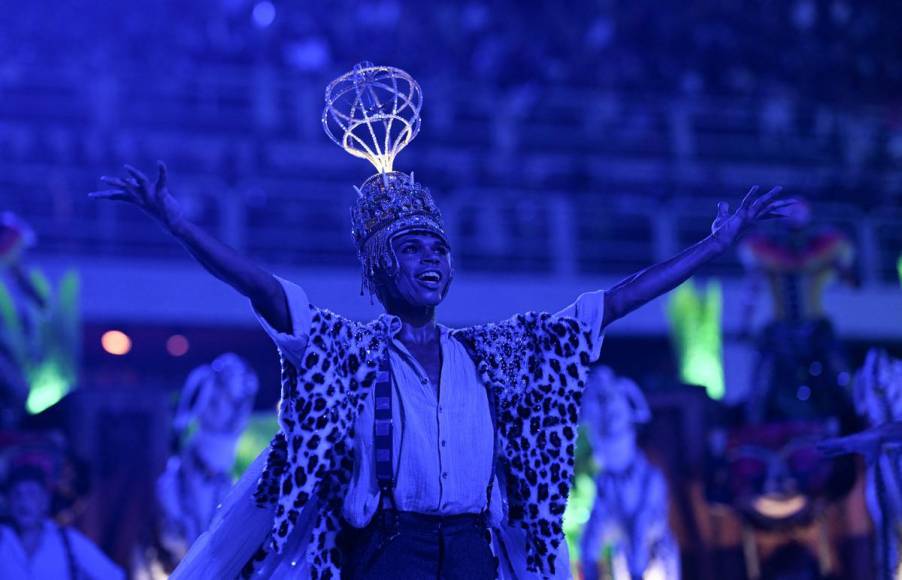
x: 755, y: 208
x: 152, y: 197
x: 217, y: 258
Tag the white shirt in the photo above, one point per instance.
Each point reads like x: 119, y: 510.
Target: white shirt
x: 50, y: 561
x: 442, y: 445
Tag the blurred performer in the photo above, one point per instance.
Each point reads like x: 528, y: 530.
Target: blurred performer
x: 15, y: 238
x: 878, y: 397
x: 342, y: 492
x: 219, y: 398
x: 630, y: 511
x: 799, y: 356
x: 35, y: 547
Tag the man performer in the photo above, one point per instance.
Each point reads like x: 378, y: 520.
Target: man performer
x: 408, y: 449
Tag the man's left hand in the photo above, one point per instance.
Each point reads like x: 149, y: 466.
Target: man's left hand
x: 728, y: 228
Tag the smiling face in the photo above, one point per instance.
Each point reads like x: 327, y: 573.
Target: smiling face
x: 424, y: 272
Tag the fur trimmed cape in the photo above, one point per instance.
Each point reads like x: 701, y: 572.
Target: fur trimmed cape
x: 534, y: 367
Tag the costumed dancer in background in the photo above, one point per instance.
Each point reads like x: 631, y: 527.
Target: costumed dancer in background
x: 630, y: 510
x: 36, y: 547
x: 408, y: 449
x: 217, y: 399
x: 779, y: 481
x: 800, y: 359
x: 878, y: 397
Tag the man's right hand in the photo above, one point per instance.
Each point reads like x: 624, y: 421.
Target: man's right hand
x: 223, y: 262
x: 152, y: 197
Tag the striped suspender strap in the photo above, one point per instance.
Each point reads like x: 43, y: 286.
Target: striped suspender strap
x: 382, y: 431
x: 493, y: 414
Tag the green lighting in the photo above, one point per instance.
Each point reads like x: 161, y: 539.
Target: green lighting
x: 579, y: 508
x: 581, y: 499
x: 696, y: 331
x: 260, y: 430
x: 44, y: 343
x: 48, y: 385
x: 899, y: 268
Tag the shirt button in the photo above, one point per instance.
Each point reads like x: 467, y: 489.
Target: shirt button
x: 424, y: 380
x: 443, y: 442
x: 445, y: 475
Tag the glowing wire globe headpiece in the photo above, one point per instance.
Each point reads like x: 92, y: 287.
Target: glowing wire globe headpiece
x: 373, y: 112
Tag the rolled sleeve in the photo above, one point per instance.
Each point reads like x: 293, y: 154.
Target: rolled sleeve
x: 589, y: 309
x: 291, y: 345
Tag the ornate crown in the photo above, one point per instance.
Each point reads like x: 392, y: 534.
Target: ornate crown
x: 373, y: 112
x: 391, y: 202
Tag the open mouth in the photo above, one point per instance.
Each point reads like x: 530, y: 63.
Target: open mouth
x: 430, y: 277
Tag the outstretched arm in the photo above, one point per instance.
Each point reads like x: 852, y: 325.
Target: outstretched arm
x: 650, y: 283
x: 237, y: 271
x: 868, y: 443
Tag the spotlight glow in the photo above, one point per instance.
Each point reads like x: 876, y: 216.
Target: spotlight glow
x: 116, y: 342
x: 264, y: 14
x: 177, y: 345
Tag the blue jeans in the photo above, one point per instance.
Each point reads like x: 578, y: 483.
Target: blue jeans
x: 406, y: 545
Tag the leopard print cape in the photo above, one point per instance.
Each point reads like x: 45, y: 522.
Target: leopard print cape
x: 534, y: 365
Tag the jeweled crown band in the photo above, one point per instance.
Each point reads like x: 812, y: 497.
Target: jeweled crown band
x: 390, y: 198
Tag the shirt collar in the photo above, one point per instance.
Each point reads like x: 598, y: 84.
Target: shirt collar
x: 393, y: 324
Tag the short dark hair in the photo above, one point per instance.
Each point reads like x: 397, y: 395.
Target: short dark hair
x: 26, y: 472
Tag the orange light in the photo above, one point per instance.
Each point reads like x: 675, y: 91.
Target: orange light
x: 177, y: 345
x: 116, y: 342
